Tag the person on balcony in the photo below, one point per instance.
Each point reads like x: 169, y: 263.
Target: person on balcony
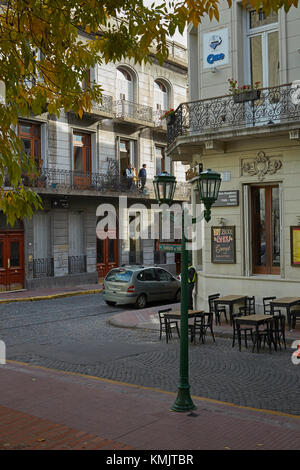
x: 129, y: 176
x: 134, y: 180
x: 143, y: 176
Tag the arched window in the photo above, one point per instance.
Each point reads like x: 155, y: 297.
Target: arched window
x: 161, y: 96
x: 124, y: 85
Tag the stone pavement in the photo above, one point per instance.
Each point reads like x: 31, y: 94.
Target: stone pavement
x: 46, y: 409
x: 49, y: 409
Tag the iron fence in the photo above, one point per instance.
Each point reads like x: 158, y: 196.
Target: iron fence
x: 110, y: 181
x: 43, y: 267
x: 77, y: 264
x: 133, y: 110
x: 275, y: 105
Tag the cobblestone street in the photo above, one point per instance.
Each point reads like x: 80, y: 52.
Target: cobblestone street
x: 73, y: 334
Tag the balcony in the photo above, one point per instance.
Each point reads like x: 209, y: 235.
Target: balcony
x: 57, y: 181
x: 133, y: 112
x: 106, y: 108
x: 227, y: 117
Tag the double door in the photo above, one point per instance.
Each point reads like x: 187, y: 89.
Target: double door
x: 11, y: 261
x: 107, y: 256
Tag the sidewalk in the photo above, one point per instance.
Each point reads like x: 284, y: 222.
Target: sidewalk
x: 148, y: 319
x: 46, y: 409
x: 50, y: 293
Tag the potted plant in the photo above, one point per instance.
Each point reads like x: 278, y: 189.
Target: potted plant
x: 245, y: 92
x: 169, y: 116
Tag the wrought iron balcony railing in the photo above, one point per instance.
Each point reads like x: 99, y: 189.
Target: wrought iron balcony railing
x: 129, y: 109
x: 107, y: 104
x: 60, y: 180
x: 276, y: 105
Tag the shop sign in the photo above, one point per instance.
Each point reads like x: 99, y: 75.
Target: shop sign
x: 215, y: 48
x: 227, y: 198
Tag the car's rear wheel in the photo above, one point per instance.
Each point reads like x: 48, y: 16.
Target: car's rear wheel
x: 141, y: 301
x: 178, y: 295
x: 110, y: 303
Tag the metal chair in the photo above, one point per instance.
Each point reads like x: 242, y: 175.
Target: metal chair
x: 166, y: 326
x: 267, y: 306
x: 278, y: 331
x: 220, y: 309
x: 246, y: 331
x: 295, y: 317
x: 201, y: 325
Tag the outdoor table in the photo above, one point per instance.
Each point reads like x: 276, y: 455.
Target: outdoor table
x: 254, y: 320
x: 176, y: 315
x: 230, y: 300
x: 287, y: 303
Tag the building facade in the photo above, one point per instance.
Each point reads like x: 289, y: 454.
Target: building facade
x: 250, y: 135
x: 82, y: 165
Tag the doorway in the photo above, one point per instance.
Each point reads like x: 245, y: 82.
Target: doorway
x: 82, y: 159
x: 107, y: 256
x: 11, y: 260
x: 265, y: 222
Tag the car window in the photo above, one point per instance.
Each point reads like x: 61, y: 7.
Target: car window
x: 146, y: 275
x: 119, y: 275
x: 163, y: 275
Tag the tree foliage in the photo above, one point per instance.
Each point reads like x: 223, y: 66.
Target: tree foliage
x: 46, y: 49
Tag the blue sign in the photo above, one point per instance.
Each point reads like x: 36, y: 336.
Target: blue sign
x: 215, y: 41
x: 211, y: 58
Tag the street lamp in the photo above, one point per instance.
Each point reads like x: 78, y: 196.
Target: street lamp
x: 208, y: 187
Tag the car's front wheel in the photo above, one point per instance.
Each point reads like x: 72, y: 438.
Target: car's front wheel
x: 141, y: 301
x: 110, y: 303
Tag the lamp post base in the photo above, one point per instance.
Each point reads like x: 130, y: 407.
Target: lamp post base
x: 183, y: 401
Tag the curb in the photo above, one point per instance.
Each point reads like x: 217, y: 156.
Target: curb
x: 52, y: 296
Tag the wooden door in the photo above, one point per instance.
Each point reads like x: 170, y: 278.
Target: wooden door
x: 11, y: 261
x: 107, y: 256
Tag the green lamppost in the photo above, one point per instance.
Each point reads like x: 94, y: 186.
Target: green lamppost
x: 208, y: 188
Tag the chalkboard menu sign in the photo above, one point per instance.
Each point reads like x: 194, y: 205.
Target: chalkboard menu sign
x: 223, y: 244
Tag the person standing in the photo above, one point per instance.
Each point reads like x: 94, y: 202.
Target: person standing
x: 129, y: 176
x: 191, y: 282
x: 143, y: 176
x: 134, y: 179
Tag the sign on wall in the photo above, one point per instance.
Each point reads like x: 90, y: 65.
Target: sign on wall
x: 223, y: 245
x: 227, y: 198
x: 215, y: 48
x: 295, y: 246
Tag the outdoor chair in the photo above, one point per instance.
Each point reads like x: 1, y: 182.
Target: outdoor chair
x: 267, y: 306
x: 295, y: 317
x: 246, y: 331
x: 278, y: 331
x: 221, y: 308
x: 166, y: 327
x: 200, y: 326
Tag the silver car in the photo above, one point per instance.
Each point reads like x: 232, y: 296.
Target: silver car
x: 138, y: 285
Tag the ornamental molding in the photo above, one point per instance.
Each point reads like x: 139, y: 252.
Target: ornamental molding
x: 260, y: 166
